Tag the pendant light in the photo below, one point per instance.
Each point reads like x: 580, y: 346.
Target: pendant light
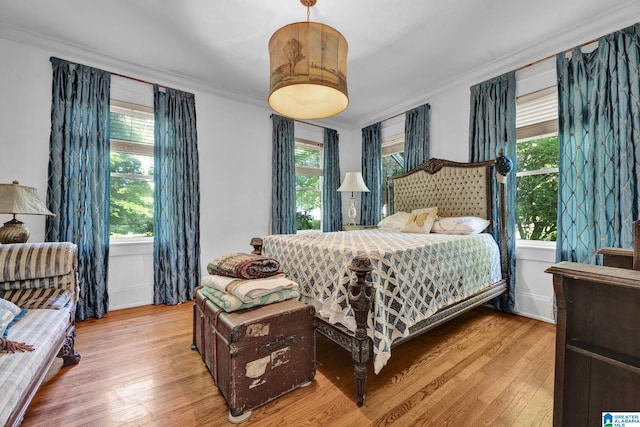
x: 308, y: 70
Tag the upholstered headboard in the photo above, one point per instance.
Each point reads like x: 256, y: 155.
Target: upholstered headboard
x: 457, y: 189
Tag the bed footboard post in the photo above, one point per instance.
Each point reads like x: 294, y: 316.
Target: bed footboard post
x: 360, y: 298
x: 256, y: 242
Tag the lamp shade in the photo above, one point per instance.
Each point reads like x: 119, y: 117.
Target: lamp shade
x: 308, y: 71
x: 353, y: 182
x: 20, y: 199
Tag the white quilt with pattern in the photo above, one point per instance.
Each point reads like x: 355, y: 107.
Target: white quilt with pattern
x: 414, y: 275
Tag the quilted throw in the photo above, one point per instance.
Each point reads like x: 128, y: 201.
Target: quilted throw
x: 244, y: 266
x: 414, y: 275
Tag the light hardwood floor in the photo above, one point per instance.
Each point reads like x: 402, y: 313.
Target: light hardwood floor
x: 484, y: 368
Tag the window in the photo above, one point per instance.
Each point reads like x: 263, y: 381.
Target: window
x: 392, y: 165
x: 131, y: 160
x: 537, y: 158
x: 308, y: 159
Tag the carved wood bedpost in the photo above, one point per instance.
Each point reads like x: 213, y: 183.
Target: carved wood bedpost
x: 256, y: 242
x: 503, y: 168
x: 360, y: 299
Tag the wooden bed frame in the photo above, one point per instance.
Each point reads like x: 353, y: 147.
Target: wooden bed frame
x: 458, y: 189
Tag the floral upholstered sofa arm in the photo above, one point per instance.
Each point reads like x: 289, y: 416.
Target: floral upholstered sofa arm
x: 38, y: 297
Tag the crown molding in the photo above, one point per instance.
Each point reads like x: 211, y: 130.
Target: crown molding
x: 97, y: 59
x: 621, y: 17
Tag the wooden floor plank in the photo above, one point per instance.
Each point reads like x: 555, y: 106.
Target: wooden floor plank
x: 137, y: 369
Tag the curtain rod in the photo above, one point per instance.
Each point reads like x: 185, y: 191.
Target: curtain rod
x: 120, y: 75
x: 300, y: 121
x: 552, y: 56
x: 398, y: 115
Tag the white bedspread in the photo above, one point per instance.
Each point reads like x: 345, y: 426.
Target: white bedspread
x: 414, y: 275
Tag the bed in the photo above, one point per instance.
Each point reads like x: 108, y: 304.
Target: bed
x: 406, y: 283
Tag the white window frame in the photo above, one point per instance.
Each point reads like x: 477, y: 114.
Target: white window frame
x: 537, y: 118
x: 392, y: 144
x: 128, y: 147
x: 310, y: 171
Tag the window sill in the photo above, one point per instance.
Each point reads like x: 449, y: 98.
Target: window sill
x: 536, y: 250
x: 131, y: 246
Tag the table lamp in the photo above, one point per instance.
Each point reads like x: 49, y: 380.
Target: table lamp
x: 353, y: 182
x: 18, y: 199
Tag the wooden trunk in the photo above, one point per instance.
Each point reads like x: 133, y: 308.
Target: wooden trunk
x: 258, y: 354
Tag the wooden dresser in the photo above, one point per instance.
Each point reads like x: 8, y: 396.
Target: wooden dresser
x: 597, y: 367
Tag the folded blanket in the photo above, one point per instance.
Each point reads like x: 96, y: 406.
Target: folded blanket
x: 230, y: 303
x: 248, y: 289
x: 244, y: 266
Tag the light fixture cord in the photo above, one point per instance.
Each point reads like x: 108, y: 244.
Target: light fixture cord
x: 308, y: 11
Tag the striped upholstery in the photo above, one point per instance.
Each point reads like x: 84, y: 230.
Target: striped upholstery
x: 39, y: 298
x: 38, y: 274
x: 38, y: 277
x: 42, y: 328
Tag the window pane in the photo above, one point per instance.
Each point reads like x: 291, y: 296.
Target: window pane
x: 308, y: 157
x: 126, y: 127
x: 125, y: 163
x: 392, y: 165
x: 131, y: 211
x: 308, y: 202
x: 537, y: 206
x: 131, y: 181
x: 538, y: 153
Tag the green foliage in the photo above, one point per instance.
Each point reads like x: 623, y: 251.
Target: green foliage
x: 307, y: 157
x: 537, y: 195
x: 305, y: 221
x: 131, y: 210
x: 308, y: 190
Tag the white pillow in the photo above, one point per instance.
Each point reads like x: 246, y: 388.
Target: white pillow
x: 395, y: 222
x: 8, y: 311
x: 421, y: 220
x: 460, y: 225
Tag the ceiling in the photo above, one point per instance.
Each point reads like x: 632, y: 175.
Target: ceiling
x: 400, y: 51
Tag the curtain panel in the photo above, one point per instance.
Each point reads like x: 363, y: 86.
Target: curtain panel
x: 599, y: 138
x: 371, y: 202
x: 176, y: 220
x: 78, y: 177
x: 416, y: 137
x: 283, y: 178
x: 492, y: 126
x: 331, y: 199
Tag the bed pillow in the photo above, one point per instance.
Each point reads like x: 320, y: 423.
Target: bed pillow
x: 421, y: 220
x: 395, y: 222
x: 8, y: 311
x: 460, y: 225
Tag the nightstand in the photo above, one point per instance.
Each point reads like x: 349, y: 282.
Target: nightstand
x: 358, y: 227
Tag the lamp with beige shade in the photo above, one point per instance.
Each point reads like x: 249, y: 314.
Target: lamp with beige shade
x: 16, y: 199
x: 353, y: 182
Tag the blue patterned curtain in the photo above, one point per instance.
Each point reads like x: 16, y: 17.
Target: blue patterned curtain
x: 371, y: 202
x: 492, y: 126
x: 176, y: 219
x: 416, y: 137
x: 78, y: 187
x: 331, y: 199
x: 283, y: 178
x: 599, y: 137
